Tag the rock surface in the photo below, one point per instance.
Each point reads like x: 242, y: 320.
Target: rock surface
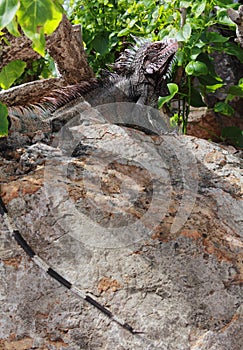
x: 150, y: 225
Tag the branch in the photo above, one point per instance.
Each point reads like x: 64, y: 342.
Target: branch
x: 30, y: 92
x: 14, y: 48
x: 66, y: 48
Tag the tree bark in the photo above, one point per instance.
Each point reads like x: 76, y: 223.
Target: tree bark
x: 16, y: 48
x: 66, y: 48
x: 27, y: 93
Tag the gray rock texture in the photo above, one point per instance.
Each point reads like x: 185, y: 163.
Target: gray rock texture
x: 151, y: 226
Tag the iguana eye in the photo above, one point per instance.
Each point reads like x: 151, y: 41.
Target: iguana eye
x: 157, y: 46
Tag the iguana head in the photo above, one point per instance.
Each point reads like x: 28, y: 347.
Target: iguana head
x: 150, y: 57
x: 148, y: 63
x: 158, y: 57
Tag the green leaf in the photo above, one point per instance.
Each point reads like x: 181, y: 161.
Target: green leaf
x: 236, y: 90
x: 8, y: 9
x: 38, y: 18
x: 209, y: 80
x: 196, y: 99
x: 38, y: 40
x: 175, y: 120
x: 186, y: 31
x: 131, y: 23
x: 173, y: 89
x: 235, y: 50
x: 11, y: 72
x: 222, y: 3
x: 113, y: 40
x: 214, y: 87
x: 12, y: 27
x: 196, y: 68
x: 101, y: 43
x: 3, y: 120
x: 33, y: 14
x: 224, y: 108
x: 214, y: 37
x: 195, y: 52
x: 234, y: 134
x: 223, y: 18
x: 205, y: 58
x: 185, y: 4
x: 124, y: 32
x: 198, y: 8
x: 180, y: 56
x: 179, y: 36
x: 52, y: 24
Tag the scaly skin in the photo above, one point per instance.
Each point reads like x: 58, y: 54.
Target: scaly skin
x: 138, y: 76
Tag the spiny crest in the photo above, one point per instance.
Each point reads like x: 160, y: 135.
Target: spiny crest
x: 129, y: 58
x: 55, y: 99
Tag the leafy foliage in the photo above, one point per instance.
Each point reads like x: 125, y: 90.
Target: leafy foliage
x: 108, y: 25
x: 3, y: 120
x: 173, y: 89
x: 8, y: 10
x: 11, y: 72
x: 36, y: 18
x: 234, y: 135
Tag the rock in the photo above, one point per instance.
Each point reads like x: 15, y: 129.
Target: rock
x: 150, y: 225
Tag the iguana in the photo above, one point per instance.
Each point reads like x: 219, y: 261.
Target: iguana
x: 139, y: 76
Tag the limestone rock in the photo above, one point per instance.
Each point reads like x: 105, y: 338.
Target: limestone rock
x: 150, y: 225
